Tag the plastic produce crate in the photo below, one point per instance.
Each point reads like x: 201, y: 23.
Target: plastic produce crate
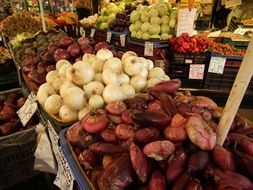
x: 81, y: 178
x: 17, y: 154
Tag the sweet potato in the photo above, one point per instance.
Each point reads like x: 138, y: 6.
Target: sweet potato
x: 159, y: 150
x: 126, y: 143
x: 109, y: 136
x: 231, y: 177
x: 126, y: 116
x: 225, y: 185
x: 245, y: 143
x: 168, y: 104
x: 124, y: 131
x: 169, y: 87
x: 87, y: 159
x: 175, y: 134
x: 106, y: 148
x: 198, y: 161
x: 177, y: 165
x: 178, y: 121
x: 114, y: 118
x: 118, y: 175
x: 181, y: 182
x: 183, y: 109
x: 95, y: 123
x: 151, y: 118
x: 244, y: 161
x: 139, y: 162
x: 223, y: 158
x: 204, y: 102
x: 116, y: 108
x: 194, y: 184
x: 157, y: 181
x: 147, y: 135
x: 200, y: 133
x: 206, y: 114
x: 244, y: 131
x: 155, y: 106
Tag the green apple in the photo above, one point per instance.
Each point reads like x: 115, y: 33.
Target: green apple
x: 145, y: 27
x: 165, y: 19
x: 144, y: 17
x: 162, y: 10
x: 154, y: 29
x: 165, y: 28
x: 155, y: 20
x: 145, y: 36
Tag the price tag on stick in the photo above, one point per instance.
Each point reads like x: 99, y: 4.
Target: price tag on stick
x: 82, y: 31
x: 148, y: 49
x: 217, y: 65
x: 26, y: 112
x: 196, y: 71
x: 108, y: 37
x: 122, y: 40
x: 92, y: 32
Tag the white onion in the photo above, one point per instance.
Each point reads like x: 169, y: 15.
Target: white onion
x: 114, y: 64
x: 93, y: 87
x: 96, y: 101
x: 132, y: 66
x: 113, y: 93
x: 63, y: 69
x: 98, y: 77
x: 65, y: 86
x: 82, y: 73
x: 127, y: 54
x: 151, y: 82
x: 67, y: 114
x: 51, y: 76
x: 138, y: 82
x: 53, y: 104
x: 44, y: 91
x: 166, y: 77
x: 156, y: 72
x: 98, y: 65
x: 88, y: 57
x: 74, y: 98
x: 150, y: 64
x: 60, y: 63
x: 128, y: 90
x: 144, y: 73
x: 86, y: 110
x: 57, y: 83
x: 68, y: 74
x: 109, y: 77
x: 144, y: 62
x: 104, y: 54
x: 123, y: 78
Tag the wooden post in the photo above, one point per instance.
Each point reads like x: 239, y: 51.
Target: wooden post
x: 42, y: 16
x: 236, y: 95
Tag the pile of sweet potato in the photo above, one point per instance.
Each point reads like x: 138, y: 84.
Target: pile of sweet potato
x: 163, y: 139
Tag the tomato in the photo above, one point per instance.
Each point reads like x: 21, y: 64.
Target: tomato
x: 185, y: 46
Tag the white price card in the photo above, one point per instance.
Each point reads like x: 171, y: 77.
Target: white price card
x: 82, y: 31
x: 196, y: 71
x: 122, y: 40
x: 65, y: 28
x: 148, y: 49
x: 217, y: 65
x: 108, y: 37
x: 92, y: 32
x: 26, y: 112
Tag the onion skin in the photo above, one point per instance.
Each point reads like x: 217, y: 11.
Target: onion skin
x: 157, y: 181
x: 106, y: 148
x: 139, y: 162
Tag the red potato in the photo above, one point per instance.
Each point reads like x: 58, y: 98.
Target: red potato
x: 147, y: 135
x: 109, y: 136
x: 95, y: 123
x: 231, y: 177
x: 116, y: 108
x: 168, y: 104
x: 184, y: 109
x: 11, y: 99
x: 87, y: 159
x: 107, y: 159
x: 168, y: 87
x: 175, y: 134
x: 155, y: 106
x: 176, y: 166
x: 106, y: 148
x: 194, y: 184
x: 139, y: 162
x: 151, y: 118
x: 200, y: 133
x: 223, y: 158
x: 181, y: 182
x: 178, y: 121
x: 117, y: 175
x: 198, y: 161
x: 9, y: 127
x: 225, y: 185
x: 126, y: 116
x: 7, y: 112
x: 157, y: 181
x: 20, y: 102
x: 114, y: 118
x: 124, y: 131
x: 159, y: 150
x: 204, y: 102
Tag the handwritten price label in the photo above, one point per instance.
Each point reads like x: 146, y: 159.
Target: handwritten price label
x: 148, y: 49
x: 122, y: 40
x: 217, y: 65
x: 92, y: 32
x: 26, y: 112
x: 108, y: 37
x: 196, y: 71
x: 82, y: 31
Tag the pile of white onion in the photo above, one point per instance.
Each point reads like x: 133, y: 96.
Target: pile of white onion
x: 72, y: 91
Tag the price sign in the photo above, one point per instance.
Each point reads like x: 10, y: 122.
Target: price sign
x: 122, y: 40
x: 217, y: 65
x: 148, y: 49
x: 26, y: 112
x: 65, y: 28
x: 196, y: 71
x: 92, y: 32
x: 64, y: 179
x: 82, y: 31
x: 108, y: 37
